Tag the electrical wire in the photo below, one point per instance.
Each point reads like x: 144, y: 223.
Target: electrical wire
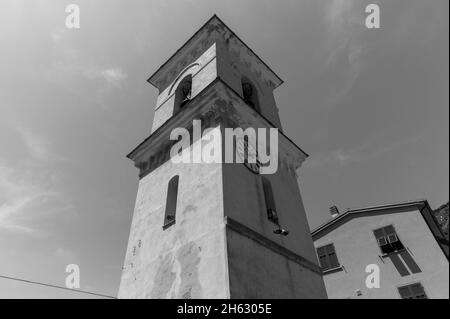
x: 55, y: 286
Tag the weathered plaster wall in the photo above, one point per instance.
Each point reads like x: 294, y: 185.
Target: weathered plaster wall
x: 244, y: 202
x: 187, y: 260
x: 356, y: 247
x: 190, y: 259
x: 257, y: 272
x: 254, y: 270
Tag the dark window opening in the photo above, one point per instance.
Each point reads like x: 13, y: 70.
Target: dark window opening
x: 250, y: 155
x: 327, y: 257
x: 171, y: 202
x: 250, y: 94
x: 183, y: 93
x: 269, y: 201
x: 414, y: 291
x: 388, y: 240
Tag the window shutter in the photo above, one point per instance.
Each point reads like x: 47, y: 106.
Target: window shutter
x: 392, y: 238
x: 413, y: 291
x: 321, y: 251
x: 330, y: 248
x: 418, y: 291
x: 334, y: 263
x: 332, y: 257
x: 378, y: 233
x: 327, y: 257
x: 388, y: 240
x: 388, y: 230
x: 405, y: 293
x: 324, y: 262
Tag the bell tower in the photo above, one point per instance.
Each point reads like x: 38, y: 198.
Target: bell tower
x: 217, y: 229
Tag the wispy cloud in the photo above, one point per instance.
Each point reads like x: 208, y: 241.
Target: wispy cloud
x: 111, y: 75
x: 66, y: 71
x: 28, y: 187
x: 114, y: 76
x: 343, y: 68
x: 341, y: 14
x: 344, y: 48
x: 70, y: 63
x: 365, y: 152
x: 65, y: 253
x: 57, y: 34
x: 38, y: 147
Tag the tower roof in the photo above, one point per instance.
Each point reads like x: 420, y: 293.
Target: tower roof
x: 213, y: 24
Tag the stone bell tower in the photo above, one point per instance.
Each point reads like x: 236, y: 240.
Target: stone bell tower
x: 217, y: 230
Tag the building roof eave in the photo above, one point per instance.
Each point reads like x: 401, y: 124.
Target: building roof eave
x: 356, y: 211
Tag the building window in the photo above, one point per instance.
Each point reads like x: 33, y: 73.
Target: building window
x: 388, y: 240
x: 250, y: 94
x: 183, y: 93
x: 327, y: 257
x: 414, y: 291
x: 269, y: 200
x: 171, y: 202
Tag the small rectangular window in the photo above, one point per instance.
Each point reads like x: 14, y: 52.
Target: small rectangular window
x: 270, y: 201
x: 388, y: 240
x: 327, y: 257
x: 171, y: 202
x: 414, y: 291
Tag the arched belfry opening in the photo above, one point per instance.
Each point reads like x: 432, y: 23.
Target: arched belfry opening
x: 249, y: 93
x: 183, y: 93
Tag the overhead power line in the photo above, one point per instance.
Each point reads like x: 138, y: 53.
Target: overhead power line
x: 55, y: 286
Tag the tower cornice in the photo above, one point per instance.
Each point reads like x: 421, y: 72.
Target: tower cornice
x: 217, y: 104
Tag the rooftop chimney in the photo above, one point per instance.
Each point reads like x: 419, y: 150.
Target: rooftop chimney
x: 334, y: 211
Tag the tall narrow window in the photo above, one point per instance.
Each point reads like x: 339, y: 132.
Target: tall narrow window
x: 269, y: 200
x: 414, y: 291
x: 183, y: 93
x: 327, y: 257
x: 250, y: 94
x: 171, y: 202
x: 388, y: 240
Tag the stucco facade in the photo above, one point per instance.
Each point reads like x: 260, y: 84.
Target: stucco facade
x: 221, y: 244
x: 424, y: 259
